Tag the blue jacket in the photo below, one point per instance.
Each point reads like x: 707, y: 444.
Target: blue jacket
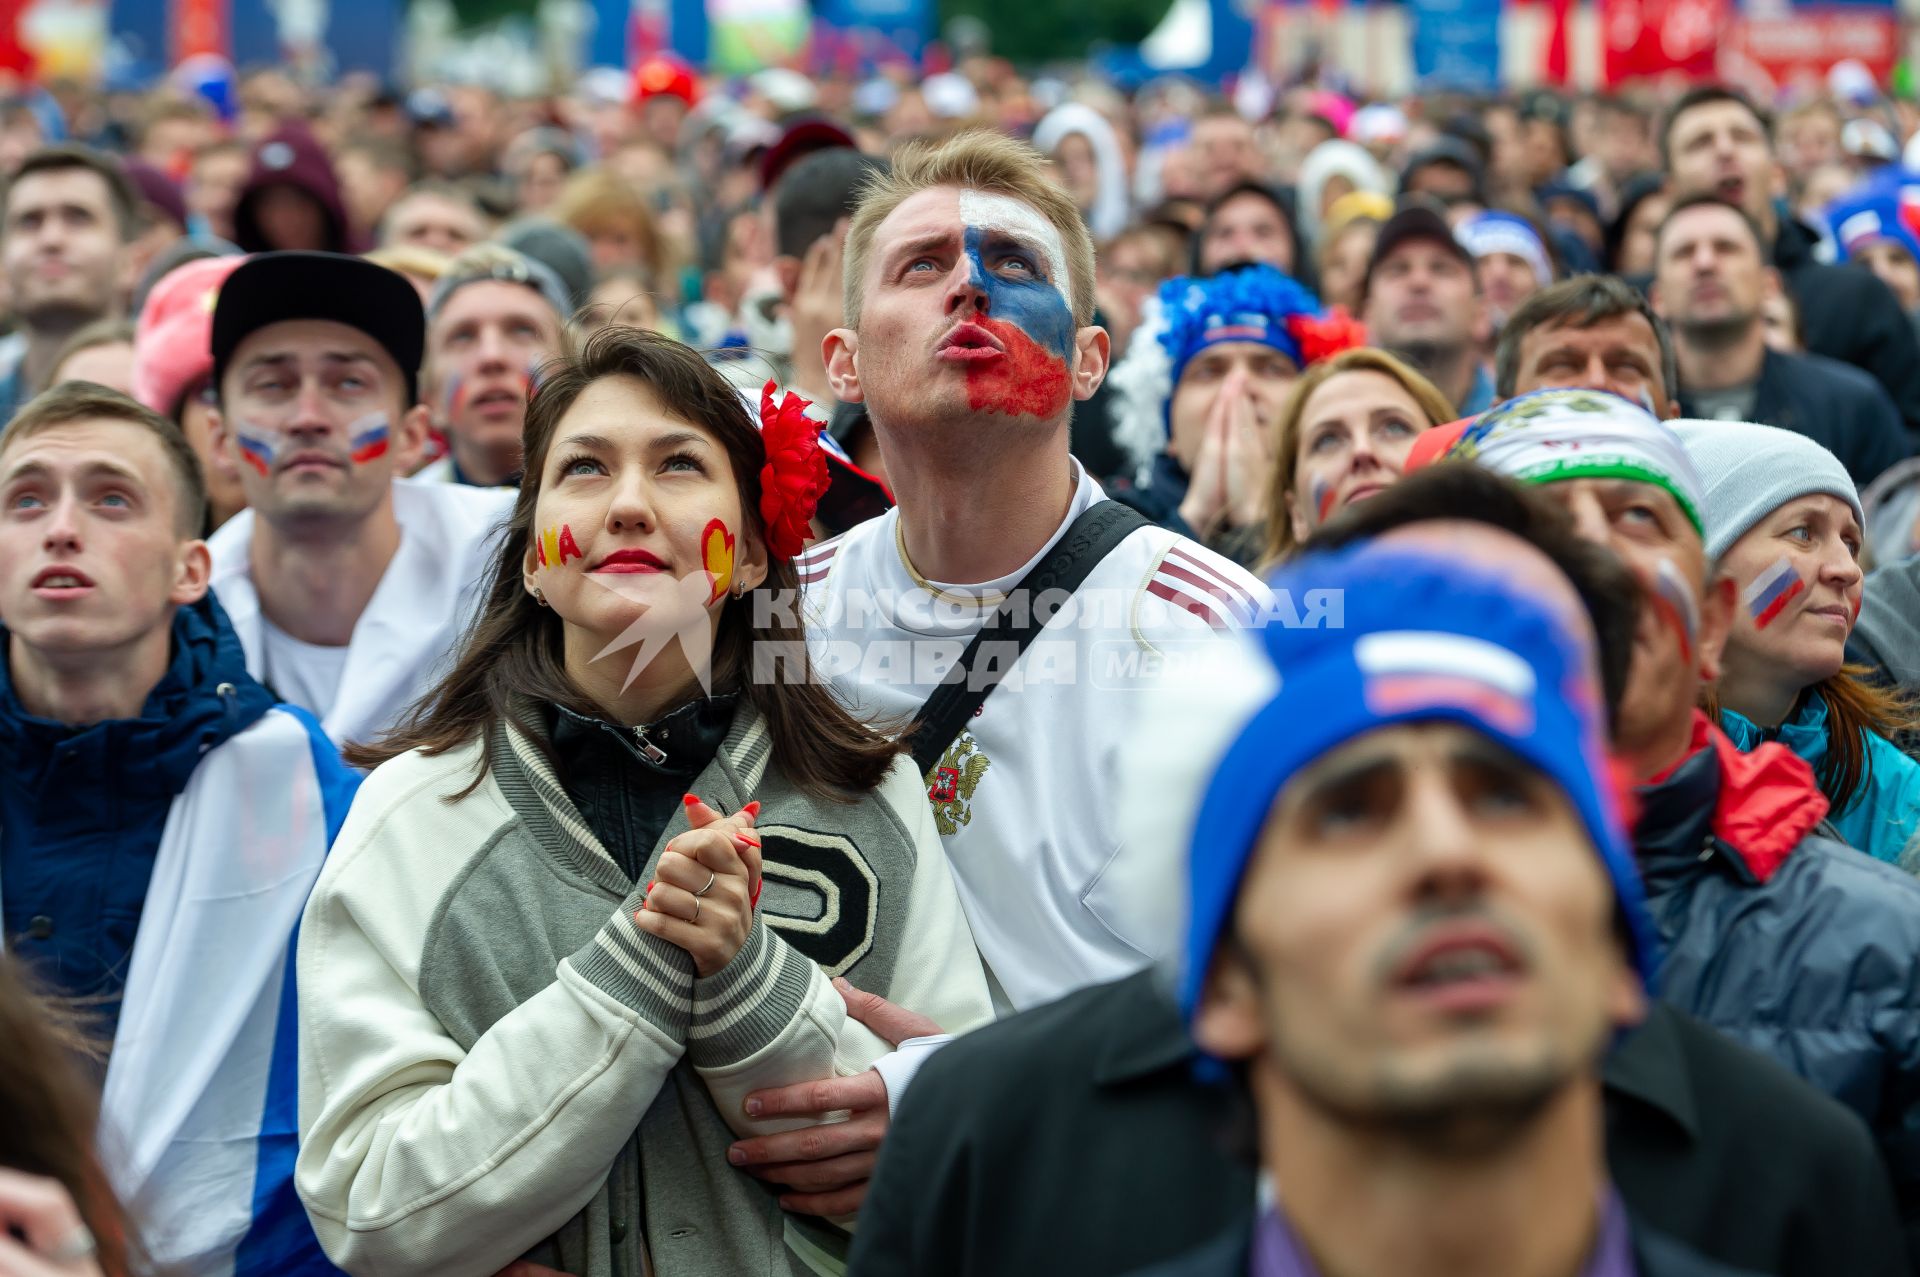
x: 1792, y: 944
x: 82, y: 809
x: 1885, y: 812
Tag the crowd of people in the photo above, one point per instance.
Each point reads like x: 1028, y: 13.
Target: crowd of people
x: 965, y: 675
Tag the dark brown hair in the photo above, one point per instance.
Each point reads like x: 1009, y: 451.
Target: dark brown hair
x: 1580, y: 302
x: 52, y: 1112
x: 515, y: 648
x: 71, y: 402
x: 57, y: 159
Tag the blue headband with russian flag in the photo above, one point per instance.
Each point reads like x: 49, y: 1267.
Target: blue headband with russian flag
x: 1419, y: 638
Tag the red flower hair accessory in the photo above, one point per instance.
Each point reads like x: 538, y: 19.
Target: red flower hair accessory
x: 795, y: 476
x: 1324, y: 336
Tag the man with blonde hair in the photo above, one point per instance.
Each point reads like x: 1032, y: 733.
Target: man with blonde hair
x: 968, y: 337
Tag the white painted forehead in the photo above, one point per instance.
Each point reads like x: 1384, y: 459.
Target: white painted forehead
x: 1016, y: 217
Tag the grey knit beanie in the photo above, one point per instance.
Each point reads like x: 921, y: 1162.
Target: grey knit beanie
x: 1750, y: 471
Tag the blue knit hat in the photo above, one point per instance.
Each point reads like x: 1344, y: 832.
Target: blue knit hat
x: 1252, y: 303
x: 1418, y: 638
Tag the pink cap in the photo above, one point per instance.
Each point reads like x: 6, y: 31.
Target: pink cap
x: 173, y: 340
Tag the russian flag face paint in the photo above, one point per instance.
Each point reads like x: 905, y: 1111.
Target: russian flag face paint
x: 258, y: 447
x: 1674, y: 600
x: 1323, y: 496
x: 367, y: 438
x: 1767, y: 596
x: 1030, y: 316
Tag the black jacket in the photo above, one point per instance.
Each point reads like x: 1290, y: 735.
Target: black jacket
x: 1849, y: 315
x: 1230, y: 1255
x: 1834, y: 404
x: 1074, y: 1141
x: 1795, y: 945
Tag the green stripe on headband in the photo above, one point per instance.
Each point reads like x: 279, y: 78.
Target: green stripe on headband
x: 1615, y: 467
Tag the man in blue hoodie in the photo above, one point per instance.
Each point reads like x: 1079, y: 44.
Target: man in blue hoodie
x: 161, y: 822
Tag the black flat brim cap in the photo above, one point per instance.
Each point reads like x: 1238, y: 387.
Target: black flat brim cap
x: 273, y: 288
x: 1415, y: 222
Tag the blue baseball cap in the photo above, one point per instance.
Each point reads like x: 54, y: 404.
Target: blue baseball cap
x: 1418, y: 639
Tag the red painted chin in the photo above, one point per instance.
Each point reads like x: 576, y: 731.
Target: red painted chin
x: 1027, y: 380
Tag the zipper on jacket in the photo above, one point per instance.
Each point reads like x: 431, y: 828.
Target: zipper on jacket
x: 648, y: 750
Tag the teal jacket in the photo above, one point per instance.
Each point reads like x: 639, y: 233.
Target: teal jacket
x: 1885, y: 813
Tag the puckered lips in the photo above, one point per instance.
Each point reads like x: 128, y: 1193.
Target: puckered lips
x: 970, y: 343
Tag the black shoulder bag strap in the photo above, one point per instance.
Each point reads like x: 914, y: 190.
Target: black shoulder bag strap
x: 1089, y: 539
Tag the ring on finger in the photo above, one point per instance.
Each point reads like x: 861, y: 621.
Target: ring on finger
x: 78, y: 1245
x: 696, y: 910
x: 711, y: 875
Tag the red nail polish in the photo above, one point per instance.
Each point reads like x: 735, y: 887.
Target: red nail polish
x: 691, y: 800
x: 752, y: 808
x: 748, y: 839
x: 753, y: 901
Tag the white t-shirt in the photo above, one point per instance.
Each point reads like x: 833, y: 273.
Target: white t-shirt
x: 1026, y: 801
x: 306, y: 674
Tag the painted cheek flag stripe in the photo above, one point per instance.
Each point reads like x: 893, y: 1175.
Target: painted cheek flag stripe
x: 1771, y: 591
x: 257, y: 453
x: 369, y: 442
x: 1671, y: 596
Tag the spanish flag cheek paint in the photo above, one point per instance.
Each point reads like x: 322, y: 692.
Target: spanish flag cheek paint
x: 716, y: 556
x: 556, y: 546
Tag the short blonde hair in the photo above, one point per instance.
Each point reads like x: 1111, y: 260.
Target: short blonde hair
x: 1286, y: 455
x: 977, y: 160
x: 411, y: 259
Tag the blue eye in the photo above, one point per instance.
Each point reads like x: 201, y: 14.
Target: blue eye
x: 1801, y: 533
x: 686, y: 462
x: 117, y: 500
x: 26, y: 501
x: 582, y: 465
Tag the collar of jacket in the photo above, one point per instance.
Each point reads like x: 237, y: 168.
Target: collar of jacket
x: 205, y: 697
x: 1146, y: 1035
x: 1793, y: 244
x: 1757, y: 806
x: 688, y: 737
x: 1804, y: 731
x: 520, y: 757
x: 1648, y: 1065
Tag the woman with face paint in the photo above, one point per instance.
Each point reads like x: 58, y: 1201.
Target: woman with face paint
x: 1343, y: 436
x: 1783, y: 522
x: 600, y: 885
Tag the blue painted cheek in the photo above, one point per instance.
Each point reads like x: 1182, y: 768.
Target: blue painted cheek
x: 1035, y: 307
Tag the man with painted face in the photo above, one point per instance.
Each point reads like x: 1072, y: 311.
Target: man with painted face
x: 1781, y: 938
x: 347, y: 585
x: 969, y: 294
x: 1414, y: 923
x: 492, y: 320
x: 162, y: 820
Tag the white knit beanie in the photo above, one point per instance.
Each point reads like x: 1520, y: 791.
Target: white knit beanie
x: 1750, y: 471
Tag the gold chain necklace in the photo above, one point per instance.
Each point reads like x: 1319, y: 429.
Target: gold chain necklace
x: 968, y: 600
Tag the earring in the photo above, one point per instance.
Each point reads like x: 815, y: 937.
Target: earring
x: 739, y: 589
x: 538, y: 597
